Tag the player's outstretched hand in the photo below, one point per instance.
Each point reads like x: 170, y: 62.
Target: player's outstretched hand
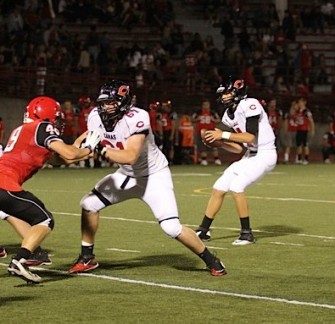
x: 92, y: 140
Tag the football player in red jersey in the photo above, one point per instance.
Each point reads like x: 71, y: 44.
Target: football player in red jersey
x: 85, y: 105
x: 290, y: 130
x: 29, y: 147
x: 206, y: 119
x: 156, y: 122
x: 169, y: 126
x: 305, y: 129
x: 275, y: 116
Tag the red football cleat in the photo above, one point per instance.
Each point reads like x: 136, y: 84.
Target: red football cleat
x: 217, y: 268
x: 84, y: 263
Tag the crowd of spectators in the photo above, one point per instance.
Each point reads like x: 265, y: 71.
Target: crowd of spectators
x: 35, y: 33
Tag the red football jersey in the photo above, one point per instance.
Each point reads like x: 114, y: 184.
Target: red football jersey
x: 154, y: 119
x: 82, y: 119
x: 25, y: 153
x: 70, y: 120
x: 302, y: 118
x: 274, y: 116
x: 206, y: 119
x: 166, y: 121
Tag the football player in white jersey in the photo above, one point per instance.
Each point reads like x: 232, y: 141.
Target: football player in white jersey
x: 251, y: 128
x: 143, y: 173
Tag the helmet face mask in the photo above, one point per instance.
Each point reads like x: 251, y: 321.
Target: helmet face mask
x: 232, y: 93
x: 113, y: 102
x: 45, y: 109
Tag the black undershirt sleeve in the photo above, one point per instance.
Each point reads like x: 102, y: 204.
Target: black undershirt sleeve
x: 252, y: 125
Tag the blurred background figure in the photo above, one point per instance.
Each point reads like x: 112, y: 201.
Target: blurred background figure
x: 186, y: 139
x: 70, y: 129
x: 290, y: 130
x: 156, y: 123
x: 275, y: 119
x: 169, y: 125
x: 328, y: 146
x: 305, y: 128
x: 85, y: 105
x: 206, y: 119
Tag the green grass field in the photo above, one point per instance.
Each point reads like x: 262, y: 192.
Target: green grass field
x: 288, y: 276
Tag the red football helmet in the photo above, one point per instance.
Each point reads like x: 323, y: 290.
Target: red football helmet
x: 45, y: 108
x: 84, y: 102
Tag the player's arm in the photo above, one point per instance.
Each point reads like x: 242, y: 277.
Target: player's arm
x: 249, y: 136
x: 311, y: 125
x: 69, y: 153
x: 131, y: 151
x: 232, y: 147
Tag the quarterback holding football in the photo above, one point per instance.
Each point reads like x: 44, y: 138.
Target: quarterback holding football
x: 251, y: 128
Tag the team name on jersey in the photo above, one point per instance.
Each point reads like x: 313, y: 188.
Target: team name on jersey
x: 109, y: 136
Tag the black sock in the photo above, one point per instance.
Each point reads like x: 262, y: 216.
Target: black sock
x: 206, y: 224
x: 23, y: 253
x: 207, y: 256
x: 245, y: 223
x: 87, y: 250
x: 306, y: 157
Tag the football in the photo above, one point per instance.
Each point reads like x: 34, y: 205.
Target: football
x: 221, y: 143
x: 216, y: 143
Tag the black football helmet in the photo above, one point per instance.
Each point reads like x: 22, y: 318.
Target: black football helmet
x: 113, y: 102
x: 237, y: 89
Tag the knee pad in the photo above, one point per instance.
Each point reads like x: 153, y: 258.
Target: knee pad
x: 91, y: 202
x: 171, y: 226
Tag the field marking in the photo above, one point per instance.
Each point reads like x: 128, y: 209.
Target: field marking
x: 285, y: 184
x: 191, y: 225
x: 200, y: 191
x: 191, y: 174
x: 282, y: 243
x: 121, y: 250
x: 186, y: 288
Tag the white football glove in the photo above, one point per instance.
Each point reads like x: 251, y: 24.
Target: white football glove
x: 92, y: 140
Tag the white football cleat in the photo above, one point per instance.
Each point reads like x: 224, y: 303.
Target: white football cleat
x: 17, y: 268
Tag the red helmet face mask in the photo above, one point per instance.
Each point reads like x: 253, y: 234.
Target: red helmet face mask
x: 45, y: 108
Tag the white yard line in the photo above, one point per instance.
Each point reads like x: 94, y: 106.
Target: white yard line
x: 282, y: 243
x: 121, y: 250
x: 191, y: 289
x: 191, y: 225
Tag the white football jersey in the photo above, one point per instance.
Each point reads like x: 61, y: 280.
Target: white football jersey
x: 135, y: 121
x: 247, y: 108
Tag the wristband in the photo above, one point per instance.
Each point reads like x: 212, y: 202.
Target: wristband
x: 226, y: 135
